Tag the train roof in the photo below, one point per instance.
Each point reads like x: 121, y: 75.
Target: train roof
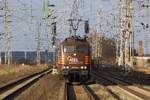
x: 74, y: 40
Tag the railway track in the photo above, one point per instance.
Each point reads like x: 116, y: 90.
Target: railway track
x: 135, y: 91
x: 13, y: 89
x: 79, y: 92
x: 69, y: 92
x: 126, y: 81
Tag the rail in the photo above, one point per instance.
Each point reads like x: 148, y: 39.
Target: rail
x: 131, y: 90
x: 90, y: 93
x: 127, y: 81
x: 13, y: 88
x: 70, y: 94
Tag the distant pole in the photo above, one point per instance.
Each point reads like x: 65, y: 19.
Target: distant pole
x: 31, y: 15
x: 46, y: 56
x: 131, y: 34
x: 128, y: 32
x: 53, y: 32
x: 121, y: 31
x: 99, y: 38
x: 49, y: 19
x: 70, y: 30
x: 146, y: 25
x: 118, y: 32
x: 25, y: 55
x: 38, y: 60
x: 7, y: 33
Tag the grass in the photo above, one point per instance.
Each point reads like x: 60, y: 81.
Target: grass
x: 13, y: 72
x: 47, y: 88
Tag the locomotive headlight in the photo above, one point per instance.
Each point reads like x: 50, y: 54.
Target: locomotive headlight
x: 67, y: 67
x: 85, y: 67
x: 74, y: 54
x: 82, y: 67
x: 64, y: 67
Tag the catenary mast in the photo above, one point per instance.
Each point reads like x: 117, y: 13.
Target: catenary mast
x: 7, y: 33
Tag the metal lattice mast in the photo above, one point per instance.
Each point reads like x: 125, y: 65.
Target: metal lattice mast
x: 46, y: 18
x: 146, y: 25
x: 117, y: 26
x: 50, y: 21
x: 53, y: 27
x: 99, y: 38
x: 46, y: 11
x: 7, y: 33
x: 121, y: 30
x: 31, y: 15
x: 128, y: 32
x: 38, y: 59
x: 46, y: 21
x: 125, y: 31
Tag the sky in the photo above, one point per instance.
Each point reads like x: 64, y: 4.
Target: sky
x: 24, y: 32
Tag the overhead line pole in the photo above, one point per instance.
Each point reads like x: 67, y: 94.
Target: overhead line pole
x: 128, y: 33
x: 38, y: 59
x: 31, y: 13
x: 99, y: 38
x: 7, y: 33
x: 117, y: 26
x: 146, y: 25
x: 51, y: 22
x: 121, y: 32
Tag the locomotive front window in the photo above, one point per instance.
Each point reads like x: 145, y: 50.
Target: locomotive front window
x: 82, y: 48
x: 69, y: 48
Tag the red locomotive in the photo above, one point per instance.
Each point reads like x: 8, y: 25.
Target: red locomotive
x: 73, y: 58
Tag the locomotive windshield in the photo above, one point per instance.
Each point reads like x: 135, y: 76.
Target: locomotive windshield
x: 69, y: 48
x: 77, y: 48
x: 81, y: 48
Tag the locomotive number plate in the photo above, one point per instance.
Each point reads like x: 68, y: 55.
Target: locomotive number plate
x: 75, y: 67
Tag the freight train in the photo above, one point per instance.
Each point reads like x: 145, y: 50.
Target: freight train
x: 73, y: 59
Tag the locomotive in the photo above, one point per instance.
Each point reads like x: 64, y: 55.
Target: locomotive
x: 73, y: 58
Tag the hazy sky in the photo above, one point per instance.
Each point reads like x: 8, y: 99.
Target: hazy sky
x: 24, y: 33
